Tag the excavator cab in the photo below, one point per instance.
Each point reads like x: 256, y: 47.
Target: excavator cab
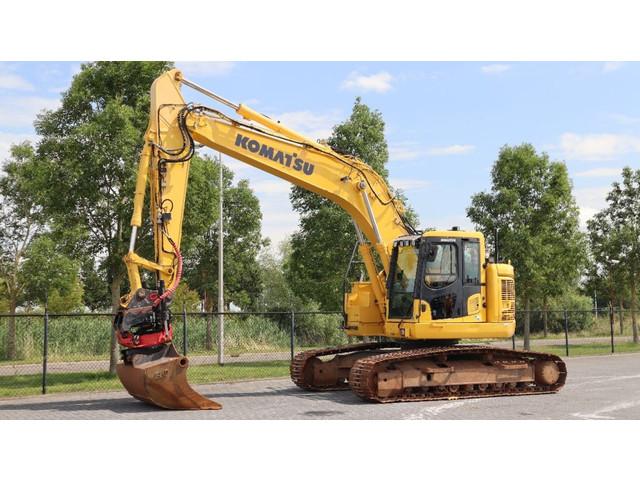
x: 435, y: 273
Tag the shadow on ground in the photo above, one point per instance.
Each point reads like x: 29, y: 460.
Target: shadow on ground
x: 130, y: 405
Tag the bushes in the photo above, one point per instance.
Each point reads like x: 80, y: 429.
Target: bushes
x: 579, y: 314
x: 320, y: 329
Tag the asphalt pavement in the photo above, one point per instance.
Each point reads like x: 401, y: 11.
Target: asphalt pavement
x: 598, y: 387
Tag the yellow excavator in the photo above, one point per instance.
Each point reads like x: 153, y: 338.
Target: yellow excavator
x: 424, y: 293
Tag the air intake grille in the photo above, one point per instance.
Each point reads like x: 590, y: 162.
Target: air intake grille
x: 508, y: 290
x: 508, y: 300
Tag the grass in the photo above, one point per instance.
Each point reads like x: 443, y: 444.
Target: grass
x: 587, y: 349
x: 22, y: 385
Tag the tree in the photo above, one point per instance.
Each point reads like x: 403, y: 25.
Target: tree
x: 20, y: 222
x: 606, y: 274
x: 185, y: 297
x: 615, y: 239
x: 532, y: 208
x: 277, y: 294
x: 242, y: 237
x: 563, y: 254
x: 322, y: 246
x: 50, y: 277
x: 85, y: 167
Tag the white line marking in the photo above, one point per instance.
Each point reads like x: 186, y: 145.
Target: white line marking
x: 430, y: 412
x: 603, y: 380
x: 598, y: 414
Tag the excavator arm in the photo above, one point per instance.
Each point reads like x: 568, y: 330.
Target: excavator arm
x: 152, y: 370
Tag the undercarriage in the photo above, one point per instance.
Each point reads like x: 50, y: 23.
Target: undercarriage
x: 388, y: 372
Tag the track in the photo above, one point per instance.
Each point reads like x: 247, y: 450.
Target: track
x: 369, y: 366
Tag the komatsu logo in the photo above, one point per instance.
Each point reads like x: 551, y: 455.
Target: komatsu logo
x: 289, y: 160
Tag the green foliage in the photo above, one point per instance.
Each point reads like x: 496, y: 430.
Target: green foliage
x: 580, y: 308
x: 48, y: 272
x: 320, y: 329
x: 69, y: 301
x: 185, y: 297
x: 532, y: 207
x: 614, y: 235
x: 277, y: 295
x: 20, y: 221
x: 242, y: 236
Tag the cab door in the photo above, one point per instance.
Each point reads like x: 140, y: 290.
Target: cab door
x: 471, y: 282
x: 440, y: 278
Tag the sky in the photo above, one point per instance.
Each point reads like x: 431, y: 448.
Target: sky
x: 445, y: 121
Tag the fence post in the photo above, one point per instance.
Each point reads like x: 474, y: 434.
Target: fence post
x: 45, y: 348
x: 184, y: 329
x: 621, y: 318
x: 611, y: 320
x: 220, y: 338
x: 292, y: 335
x: 566, y: 332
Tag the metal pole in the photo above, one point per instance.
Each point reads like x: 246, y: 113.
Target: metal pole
x: 513, y: 340
x: 220, y: 268
x: 293, y: 328
x: 184, y: 329
x: 595, y: 302
x: 611, y: 322
x: 45, y: 348
x: 566, y: 332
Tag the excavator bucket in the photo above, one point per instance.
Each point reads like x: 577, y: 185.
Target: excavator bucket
x: 160, y: 379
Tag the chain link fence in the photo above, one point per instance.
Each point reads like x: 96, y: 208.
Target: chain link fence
x: 42, y: 353
x: 577, y: 332
x: 46, y: 352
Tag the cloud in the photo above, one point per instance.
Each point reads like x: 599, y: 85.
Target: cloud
x: 378, y: 82
x: 313, y: 125
x: 409, y: 183
x: 600, y: 172
x: 206, y: 69
x: 9, y: 80
x: 608, y: 67
x: 590, y: 200
x: 8, y: 139
x: 495, y: 68
x: 598, y: 146
x: 450, y: 150
x: 410, y: 151
x: 22, y: 111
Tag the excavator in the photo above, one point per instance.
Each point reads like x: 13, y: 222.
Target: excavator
x: 423, y: 294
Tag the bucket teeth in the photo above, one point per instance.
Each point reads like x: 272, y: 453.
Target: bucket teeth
x: 161, y: 380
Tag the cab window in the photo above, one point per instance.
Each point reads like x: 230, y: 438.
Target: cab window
x: 441, y: 266
x: 471, y: 252
x: 402, y: 285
